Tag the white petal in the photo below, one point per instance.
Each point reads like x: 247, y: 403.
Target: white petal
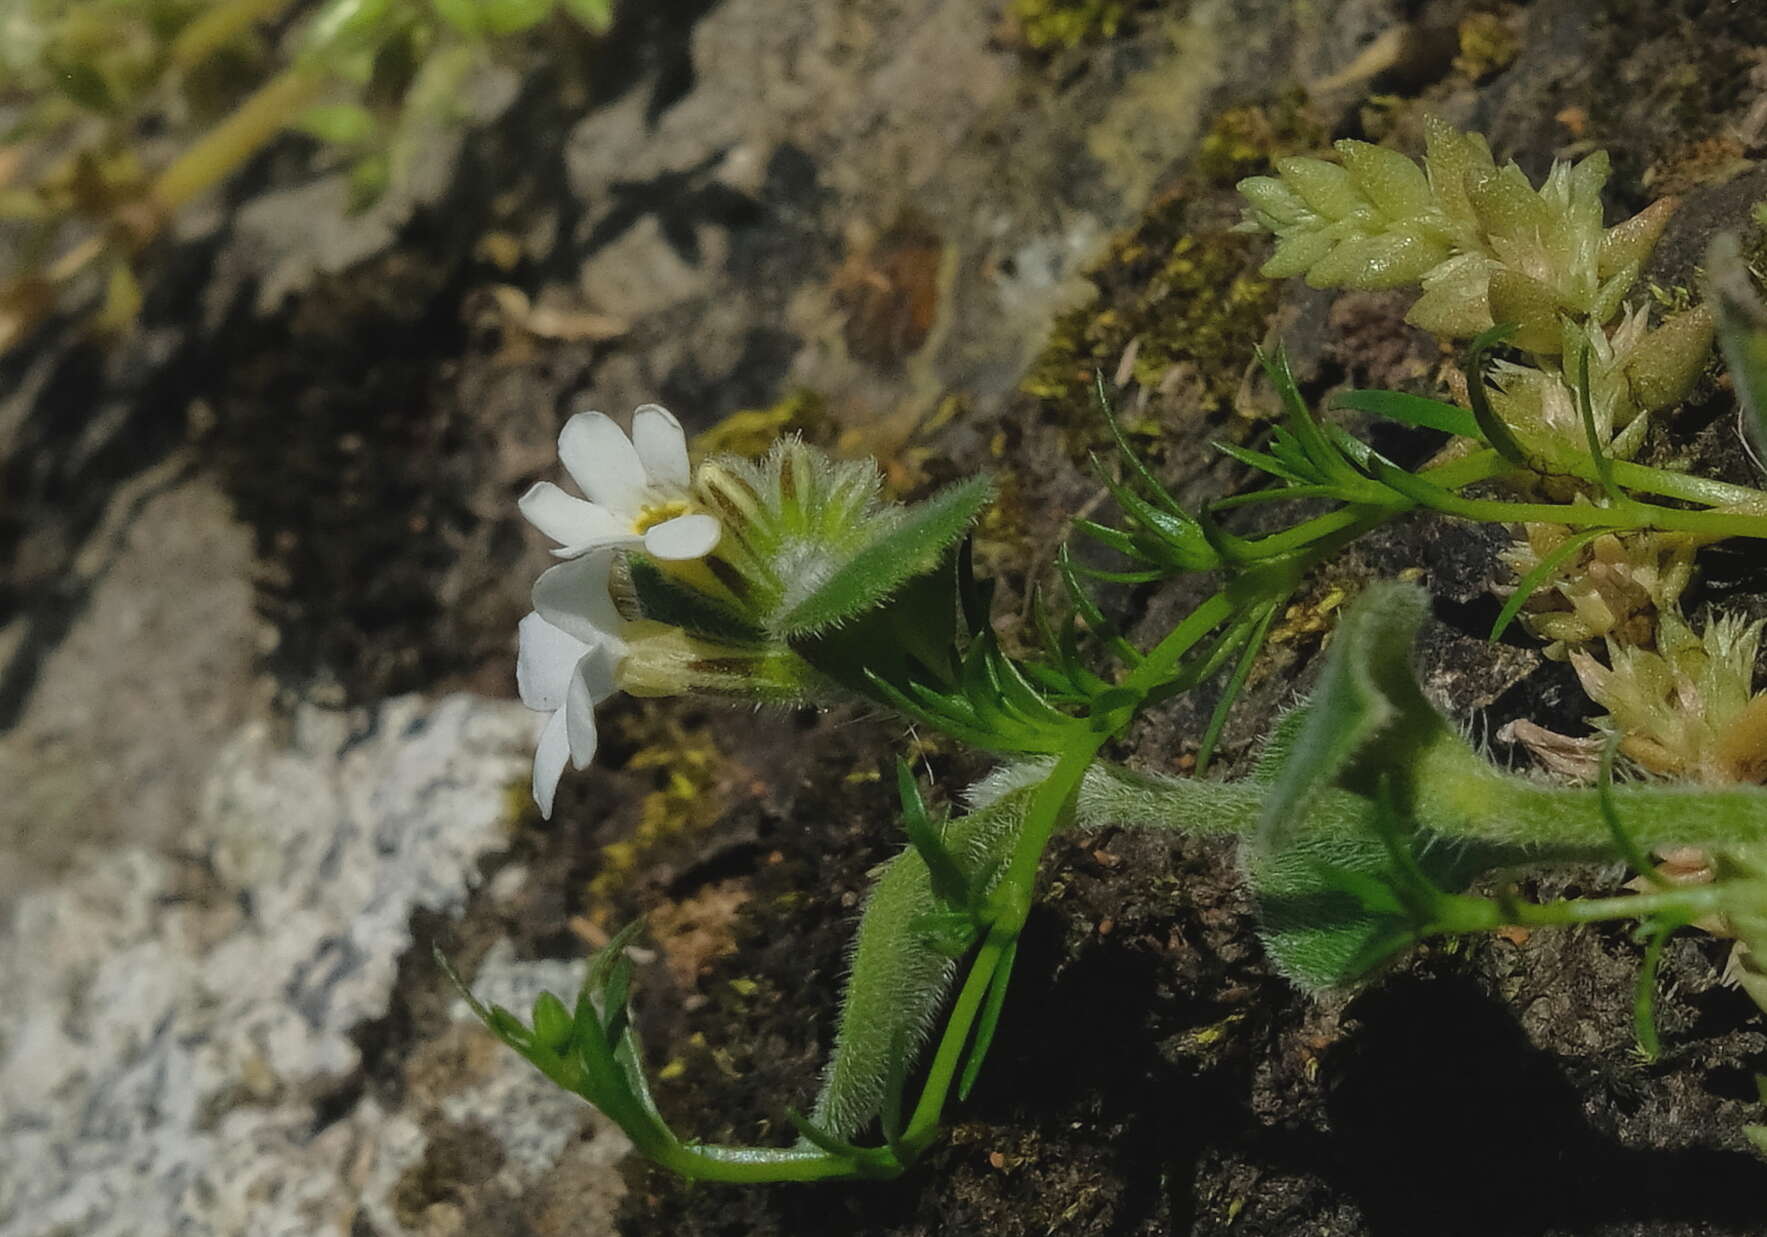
x: 545, y: 662
x: 685, y: 536
x: 573, y: 597
x: 579, y: 718
x: 599, y: 669
x: 662, y: 446
x: 603, y: 462
x: 549, y: 758
x: 576, y: 525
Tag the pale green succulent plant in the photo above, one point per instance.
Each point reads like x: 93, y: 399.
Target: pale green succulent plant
x: 1482, y: 242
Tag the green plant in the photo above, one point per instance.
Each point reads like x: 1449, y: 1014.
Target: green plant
x: 372, y: 78
x: 1368, y: 824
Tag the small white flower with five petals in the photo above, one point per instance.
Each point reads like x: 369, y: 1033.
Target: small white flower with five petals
x: 571, y: 649
x: 638, y: 490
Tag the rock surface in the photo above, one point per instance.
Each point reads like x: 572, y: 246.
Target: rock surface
x: 178, y: 1029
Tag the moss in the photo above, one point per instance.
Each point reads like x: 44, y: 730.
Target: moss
x: 1245, y: 141
x: 1182, y: 311
x: 1180, y: 289
x: 691, y: 766
x: 1488, y: 44
x: 1059, y: 25
x: 1710, y: 160
x: 753, y: 430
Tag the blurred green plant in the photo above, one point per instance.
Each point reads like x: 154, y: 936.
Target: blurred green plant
x: 115, y: 114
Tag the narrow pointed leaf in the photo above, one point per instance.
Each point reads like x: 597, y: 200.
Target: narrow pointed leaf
x: 1230, y: 693
x: 1413, y: 410
x: 988, y: 1021
x: 1538, y: 575
x: 1491, y: 426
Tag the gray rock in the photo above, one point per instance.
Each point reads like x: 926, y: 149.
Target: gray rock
x: 174, y: 1016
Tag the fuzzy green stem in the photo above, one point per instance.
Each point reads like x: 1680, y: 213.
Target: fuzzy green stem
x: 1009, y: 904
x: 1463, y: 913
x: 1352, y: 521
x: 1461, y: 795
x: 1010, y: 901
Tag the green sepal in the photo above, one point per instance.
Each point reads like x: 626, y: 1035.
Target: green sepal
x: 665, y: 599
x: 912, y: 641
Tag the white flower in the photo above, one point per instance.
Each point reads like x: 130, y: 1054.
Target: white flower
x: 638, y: 490
x: 571, y: 649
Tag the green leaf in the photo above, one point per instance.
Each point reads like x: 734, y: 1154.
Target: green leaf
x: 1757, y: 1135
x: 910, y: 546
x: 1366, y: 694
x: 1335, y: 905
x: 1327, y: 461
x: 552, y: 1022
x: 989, y: 1020
x: 1491, y: 426
x: 1236, y: 683
x: 342, y: 124
x: 466, y: 16
x: 1413, y: 410
x: 949, y: 884
x: 341, y: 27
x: 1742, y: 332
x: 1644, y: 997
x: 1604, y: 468
x: 1262, y: 462
x: 504, y: 17
x: 370, y: 177
x: 898, y: 978
x: 1540, y: 573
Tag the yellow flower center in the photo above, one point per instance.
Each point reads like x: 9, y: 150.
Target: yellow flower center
x: 652, y: 514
